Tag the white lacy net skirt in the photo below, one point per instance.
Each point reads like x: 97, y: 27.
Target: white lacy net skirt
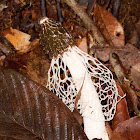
x: 60, y: 81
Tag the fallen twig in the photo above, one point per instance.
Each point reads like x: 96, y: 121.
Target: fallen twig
x: 43, y: 8
x: 113, y: 48
x: 87, y: 20
x: 59, y: 13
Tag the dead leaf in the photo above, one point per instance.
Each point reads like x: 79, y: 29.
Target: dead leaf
x: 34, y: 64
x: 128, y: 130
x: 138, y: 31
x: 109, y: 26
x: 78, y: 116
x: 11, y: 129
x: 35, y: 43
x: 122, y: 113
x: 134, y: 38
x: 18, y: 39
x: 129, y: 58
x: 132, y: 98
x: 36, y: 109
x: 82, y: 45
x: 108, y: 129
x: 135, y: 74
x: 32, y: 12
x: 103, y: 54
x: 37, y: 66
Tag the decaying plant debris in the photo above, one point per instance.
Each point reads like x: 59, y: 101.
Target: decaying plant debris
x: 81, y: 21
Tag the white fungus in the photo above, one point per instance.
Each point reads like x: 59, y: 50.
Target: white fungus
x: 73, y: 69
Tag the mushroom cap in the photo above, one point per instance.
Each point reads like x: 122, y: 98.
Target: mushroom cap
x: 54, y: 37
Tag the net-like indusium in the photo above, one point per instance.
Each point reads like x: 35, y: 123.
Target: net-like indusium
x: 61, y: 83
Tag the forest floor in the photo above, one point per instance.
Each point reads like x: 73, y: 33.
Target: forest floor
x: 33, y: 62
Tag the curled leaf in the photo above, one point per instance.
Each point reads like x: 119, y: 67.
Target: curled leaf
x: 109, y: 26
x: 128, y: 130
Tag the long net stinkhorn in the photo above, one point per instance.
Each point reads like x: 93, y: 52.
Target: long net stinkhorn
x: 70, y: 69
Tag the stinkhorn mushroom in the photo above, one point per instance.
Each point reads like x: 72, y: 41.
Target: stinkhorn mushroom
x: 70, y: 69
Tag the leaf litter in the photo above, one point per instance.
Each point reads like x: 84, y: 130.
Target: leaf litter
x: 24, y: 16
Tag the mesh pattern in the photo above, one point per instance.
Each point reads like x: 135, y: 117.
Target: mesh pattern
x: 60, y: 82
x: 103, y: 82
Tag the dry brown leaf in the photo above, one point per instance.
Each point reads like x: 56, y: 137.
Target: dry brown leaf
x: 132, y: 99
x: 108, y: 129
x: 128, y: 130
x: 103, y: 54
x: 78, y: 116
x: 9, y: 128
x: 34, y: 110
x: 32, y: 12
x: 109, y: 26
x: 82, y: 44
x: 135, y: 74
x: 122, y: 113
x: 138, y: 31
x: 37, y: 66
x: 18, y: 39
x: 130, y: 57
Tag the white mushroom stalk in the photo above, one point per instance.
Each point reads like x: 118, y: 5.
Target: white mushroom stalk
x: 72, y: 69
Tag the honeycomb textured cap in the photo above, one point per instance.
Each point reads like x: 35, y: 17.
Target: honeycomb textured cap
x: 54, y: 37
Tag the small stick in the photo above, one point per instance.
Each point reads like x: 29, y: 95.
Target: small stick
x: 43, y: 8
x: 79, y: 93
x: 59, y: 13
x: 87, y: 20
x: 113, y: 48
x: 90, y: 6
x: 116, y: 7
